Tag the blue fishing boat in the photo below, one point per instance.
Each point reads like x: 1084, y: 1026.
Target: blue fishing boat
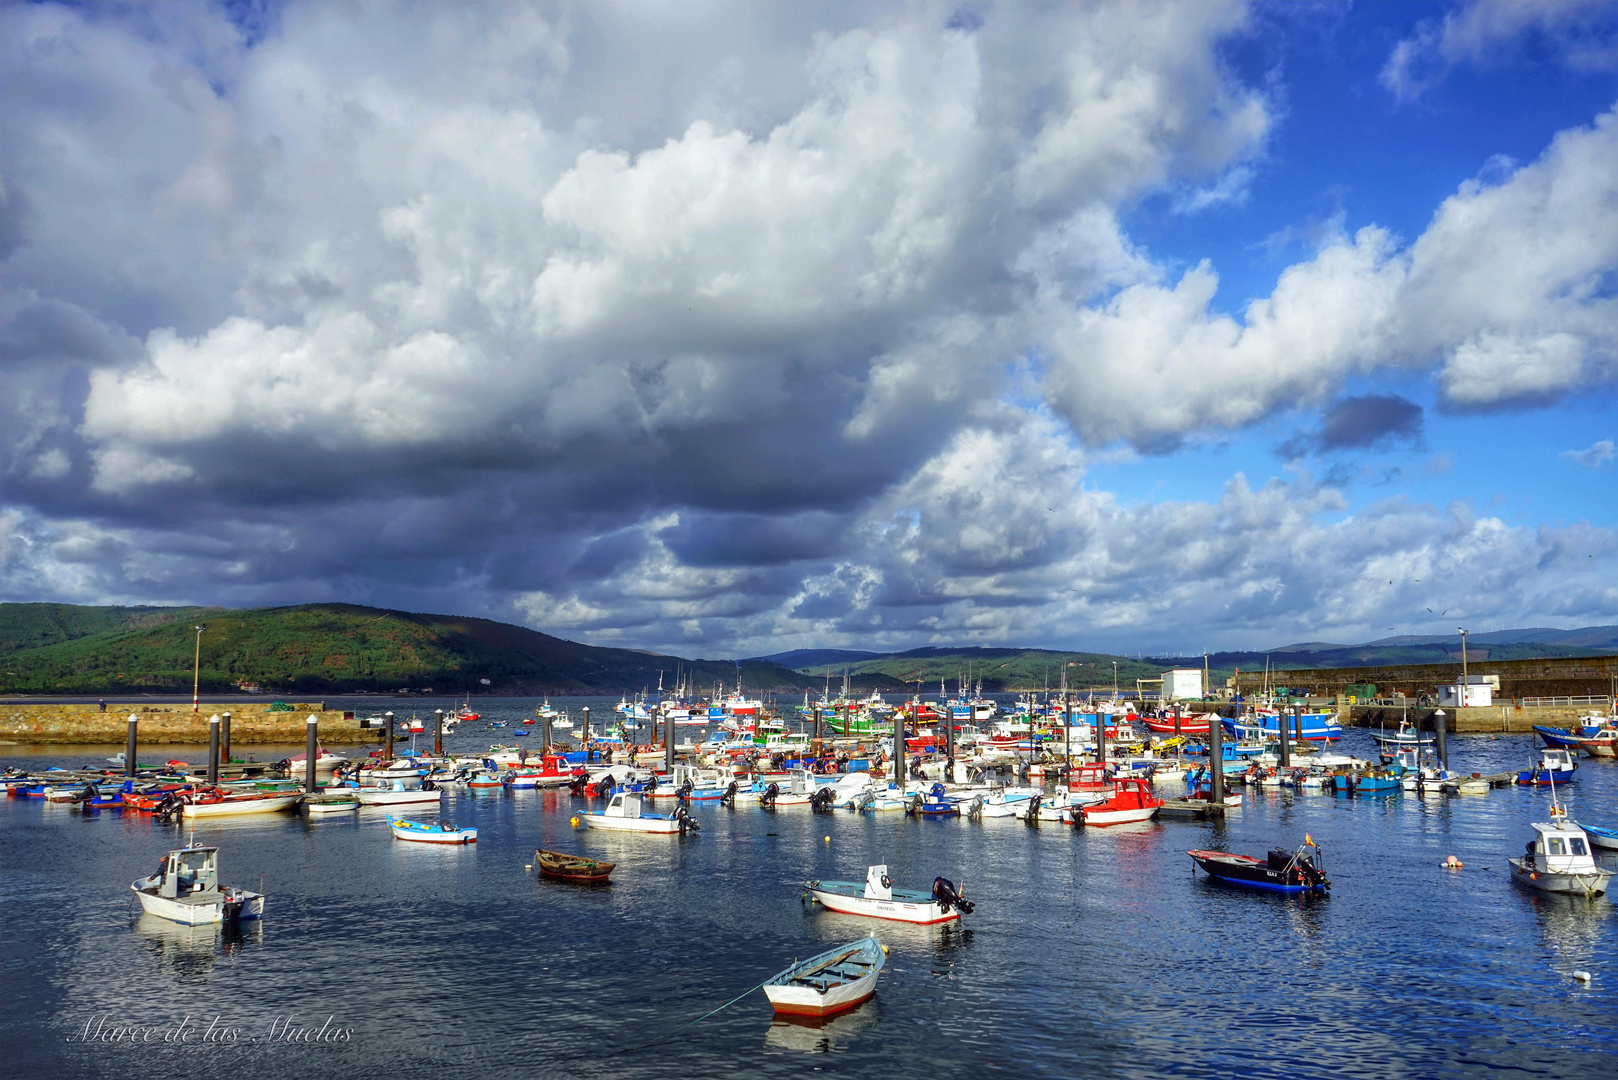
x: 1282, y: 871
x: 431, y: 832
x: 933, y: 803
x: 1553, y: 767
x: 1368, y: 783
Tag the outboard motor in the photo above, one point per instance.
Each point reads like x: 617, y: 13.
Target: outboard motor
x: 1031, y: 818
x: 687, y: 822
x: 938, y: 792
x: 767, y: 798
x: 169, y: 809
x: 604, y: 786
x: 684, y: 791
x: 729, y: 797
x: 944, y: 892
x: 579, y: 783
x: 820, y: 801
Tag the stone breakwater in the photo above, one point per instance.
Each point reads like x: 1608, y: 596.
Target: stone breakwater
x: 175, y: 723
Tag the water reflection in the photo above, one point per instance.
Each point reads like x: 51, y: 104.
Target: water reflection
x: 191, y: 951
x: 809, y: 1035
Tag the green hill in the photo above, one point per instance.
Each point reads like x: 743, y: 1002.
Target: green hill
x: 326, y: 648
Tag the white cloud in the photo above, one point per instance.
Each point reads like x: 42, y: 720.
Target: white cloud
x: 1582, y: 35
x: 1593, y: 456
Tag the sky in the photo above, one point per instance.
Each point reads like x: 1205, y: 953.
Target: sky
x: 731, y: 328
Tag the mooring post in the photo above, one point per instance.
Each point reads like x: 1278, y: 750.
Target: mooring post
x: 1297, y: 722
x: 213, y: 749
x: 1284, y: 729
x: 311, y: 751
x: 545, y: 732
x: 1216, y: 760
x: 129, y: 745
x: 387, y: 736
x: 1101, y: 738
x: 899, y: 750
x: 1441, y: 731
x: 668, y: 742
x: 224, y: 737
x: 438, y: 732
x: 585, y: 737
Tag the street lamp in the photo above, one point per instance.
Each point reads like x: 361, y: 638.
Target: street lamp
x: 196, y: 669
x: 1464, y: 693
x: 1115, y: 680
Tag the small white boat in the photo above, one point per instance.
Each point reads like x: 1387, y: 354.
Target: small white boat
x: 833, y: 982
x: 431, y: 832
x: 624, y: 814
x: 389, y: 797
x: 1559, y: 860
x: 331, y: 803
x: 878, y: 899
x: 186, y: 890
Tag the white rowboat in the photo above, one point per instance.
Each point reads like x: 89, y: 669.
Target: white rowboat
x: 835, y: 981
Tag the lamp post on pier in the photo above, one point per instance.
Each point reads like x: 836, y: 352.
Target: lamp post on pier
x: 196, y: 670
x: 1462, y: 702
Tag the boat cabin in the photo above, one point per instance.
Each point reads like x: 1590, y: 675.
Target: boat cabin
x: 877, y: 884
x: 188, y: 872
x: 1557, y: 760
x: 624, y: 804
x: 1561, y: 848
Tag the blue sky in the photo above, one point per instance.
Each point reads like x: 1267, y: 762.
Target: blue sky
x: 726, y: 329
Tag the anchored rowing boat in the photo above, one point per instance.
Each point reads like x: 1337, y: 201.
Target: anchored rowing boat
x: 833, y: 982
x: 565, y: 867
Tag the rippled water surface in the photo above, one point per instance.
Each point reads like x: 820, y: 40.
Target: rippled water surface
x: 1091, y: 953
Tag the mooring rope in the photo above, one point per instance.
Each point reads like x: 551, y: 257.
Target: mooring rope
x: 669, y: 1035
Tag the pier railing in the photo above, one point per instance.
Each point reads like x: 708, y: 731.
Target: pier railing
x: 1588, y: 700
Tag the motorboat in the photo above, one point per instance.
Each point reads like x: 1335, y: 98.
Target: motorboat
x: 1283, y: 871
x: 833, y: 982
x: 338, y: 801
x: 1555, y: 766
x: 624, y: 814
x: 1131, y: 800
x: 186, y: 890
x: 376, y: 796
x: 577, y: 868
x: 1594, y: 733
x: 1559, y: 860
x: 878, y: 899
x: 431, y: 832
x: 1600, y: 837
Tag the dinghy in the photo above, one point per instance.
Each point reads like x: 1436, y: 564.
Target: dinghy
x: 434, y: 832
x: 833, y: 982
x: 878, y: 899
x: 565, y: 867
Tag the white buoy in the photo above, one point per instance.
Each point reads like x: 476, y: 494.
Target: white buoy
x: 1582, y: 976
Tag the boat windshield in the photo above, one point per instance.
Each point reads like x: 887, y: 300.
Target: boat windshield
x: 1576, y: 845
x: 1556, y: 847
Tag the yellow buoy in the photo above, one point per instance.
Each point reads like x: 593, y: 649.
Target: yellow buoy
x: 574, y: 821
x: 828, y: 839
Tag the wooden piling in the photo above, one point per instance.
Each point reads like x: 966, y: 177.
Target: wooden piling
x: 224, y: 737
x: 668, y: 743
x: 129, y: 745
x: 1284, y: 729
x: 1216, y: 761
x: 387, y: 736
x: 438, y: 732
x: 213, y: 749
x: 311, y: 751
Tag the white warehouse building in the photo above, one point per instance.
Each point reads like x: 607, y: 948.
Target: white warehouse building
x: 1182, y: 684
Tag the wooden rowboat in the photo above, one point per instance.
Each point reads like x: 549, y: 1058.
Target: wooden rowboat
x: 565, y: 867
x: 833, y: 982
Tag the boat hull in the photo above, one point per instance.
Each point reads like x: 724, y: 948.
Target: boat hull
x: 1117, y: 817
x: 834, y: 982
x: 662, y: 826
x: 423, y: 833
x: 234, y: 808
x: 368, y: 797
x: 201, y: 914
x: 1587, y: 883
x: 1246, y: 872
x: 906, y: 906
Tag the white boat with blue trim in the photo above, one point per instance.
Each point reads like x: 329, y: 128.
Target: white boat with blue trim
x: 833, y: 982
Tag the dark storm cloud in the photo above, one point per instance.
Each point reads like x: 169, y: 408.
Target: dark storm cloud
x: 1369, y: 422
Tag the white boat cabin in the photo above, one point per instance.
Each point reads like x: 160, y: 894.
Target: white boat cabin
x: 625, y: 804
x: 877, y: 884
x: 1562, y: 848
x: 189, y: 872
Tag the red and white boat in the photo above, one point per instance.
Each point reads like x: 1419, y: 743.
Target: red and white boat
x: 1132, y: 800
x: 1189, y: 725
x: 878, y: 899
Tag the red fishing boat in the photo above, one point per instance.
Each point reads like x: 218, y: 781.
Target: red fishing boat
x: 1132, y: 800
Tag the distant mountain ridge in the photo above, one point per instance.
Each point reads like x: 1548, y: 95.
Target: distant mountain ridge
x: 1531, y: 643
x: 328, y: 648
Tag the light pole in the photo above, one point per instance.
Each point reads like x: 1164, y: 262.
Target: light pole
x: 196, y: 669
x: 1464, y: 692
x: 1115, y: 680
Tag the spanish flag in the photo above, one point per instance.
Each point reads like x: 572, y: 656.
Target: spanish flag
x: 1307, y: 839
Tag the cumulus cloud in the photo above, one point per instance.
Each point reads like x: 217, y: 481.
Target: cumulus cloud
x: 1580, y: 35
x: 712, y: 324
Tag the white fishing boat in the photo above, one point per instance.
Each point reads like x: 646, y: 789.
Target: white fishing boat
x: 1559, y: 860
x: 878, y: 899
x: 624, y: 814
x: 211, y: 804
x: 833, y: 982
x: 431, y: 832
x: 186, y: 890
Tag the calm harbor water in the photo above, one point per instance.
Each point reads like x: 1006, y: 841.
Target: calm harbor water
x: 1092, y: 952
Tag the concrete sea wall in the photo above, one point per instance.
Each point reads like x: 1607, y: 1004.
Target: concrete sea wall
x: 175, y: 723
